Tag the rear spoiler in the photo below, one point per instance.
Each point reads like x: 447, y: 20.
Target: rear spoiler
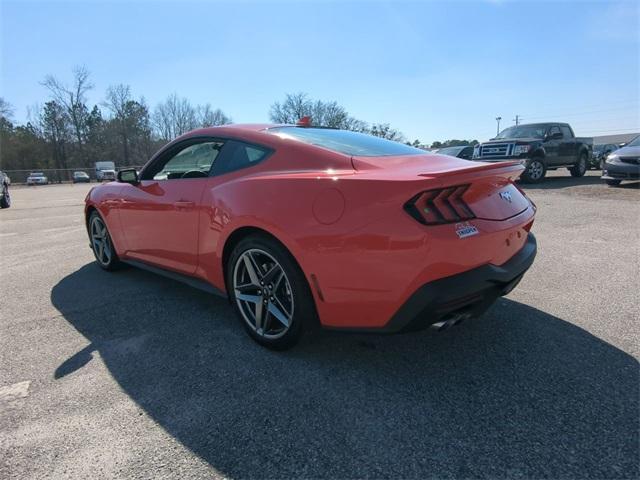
x: 501, y: 167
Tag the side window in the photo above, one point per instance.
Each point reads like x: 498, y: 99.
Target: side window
x: 237, y: 155
x: 193, y: 161
x: 554, y: 130
x: 566, y: 132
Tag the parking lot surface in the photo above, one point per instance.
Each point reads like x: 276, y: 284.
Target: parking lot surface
x: 130, y: 375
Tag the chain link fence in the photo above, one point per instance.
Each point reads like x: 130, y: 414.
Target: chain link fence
x: 55, y: 175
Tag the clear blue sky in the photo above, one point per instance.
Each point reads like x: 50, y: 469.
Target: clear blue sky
x: 434, y: 70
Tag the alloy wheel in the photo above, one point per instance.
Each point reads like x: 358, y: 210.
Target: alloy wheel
x: 100, y: 241
x: 263, y: 293
x: 535, y: 170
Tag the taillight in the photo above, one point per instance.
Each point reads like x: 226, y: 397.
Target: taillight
x: 443, y: 205
x: 528, y: 226
x: 525, y: 196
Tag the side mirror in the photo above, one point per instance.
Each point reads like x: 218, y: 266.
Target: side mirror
x: 128, y: 175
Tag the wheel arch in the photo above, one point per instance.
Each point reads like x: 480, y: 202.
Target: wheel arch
x: 244, y: 231
x: 87, y: 215
x: 540, y: 154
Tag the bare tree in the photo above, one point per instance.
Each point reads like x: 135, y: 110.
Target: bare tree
x: 174, y: 117
x: 6, y: 109
x: 207, y: 116
x: 73, y: 100
x: 384, y: 130
x: 117, y: 99
x: 322, y: 113
x: 294, y: 107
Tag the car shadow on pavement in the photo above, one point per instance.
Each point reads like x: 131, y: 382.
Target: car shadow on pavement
x: 517, y: 393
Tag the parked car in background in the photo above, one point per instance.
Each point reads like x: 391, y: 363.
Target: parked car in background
x: 622, y: 164
x: 538, y: 147
x: 5, y: 197
x: 108, y: 175
x: 105, y: 171
x: 368, y: 234
x: 600, y: 153
x: 37, y: 178
x: 465, y: 152
x: 81, y: 177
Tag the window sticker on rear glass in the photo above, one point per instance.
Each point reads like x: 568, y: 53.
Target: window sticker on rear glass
x: 464, y: 230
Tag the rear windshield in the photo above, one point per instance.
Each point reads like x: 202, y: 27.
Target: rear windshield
x: 347, y: 142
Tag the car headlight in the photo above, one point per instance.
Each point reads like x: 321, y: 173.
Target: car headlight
x: 520, y: 149
x: 611, y: 157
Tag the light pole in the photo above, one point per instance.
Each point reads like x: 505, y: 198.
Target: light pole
x: 498, y: 129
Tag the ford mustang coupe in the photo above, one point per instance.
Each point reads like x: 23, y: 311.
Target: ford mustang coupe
x: 303, y: 226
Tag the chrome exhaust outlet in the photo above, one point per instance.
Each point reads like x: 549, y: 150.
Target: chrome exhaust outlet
x: 440, y: 326
x: 454, y: 320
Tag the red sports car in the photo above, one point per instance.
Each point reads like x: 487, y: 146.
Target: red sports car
x: 302, y: 226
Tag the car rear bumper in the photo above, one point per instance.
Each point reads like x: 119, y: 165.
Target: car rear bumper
x: 467, y: 294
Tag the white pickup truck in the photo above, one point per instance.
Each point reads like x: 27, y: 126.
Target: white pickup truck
x: 105, y: 171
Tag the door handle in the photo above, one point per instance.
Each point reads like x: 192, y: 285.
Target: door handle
x: 184, y: 204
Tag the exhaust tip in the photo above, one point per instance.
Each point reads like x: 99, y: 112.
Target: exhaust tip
x: 450, y: 322
x: 440, y: 326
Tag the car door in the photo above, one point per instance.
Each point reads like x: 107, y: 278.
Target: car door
x: 568, y: 151
x: 552, y: 146
x: 159, y: 215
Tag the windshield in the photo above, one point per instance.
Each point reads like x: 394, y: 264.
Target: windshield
x: 451, y: 151
x: 37, y: 174
x: 524, y: 131
x: 347, y: 142
x: 634, y: 143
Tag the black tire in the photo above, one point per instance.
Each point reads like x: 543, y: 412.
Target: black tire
x: 535, y: 171
x: 108, y: 262
x: 580, y: 168
x: 613, y: 183
x: 295, y: 293
x: 5, y: 201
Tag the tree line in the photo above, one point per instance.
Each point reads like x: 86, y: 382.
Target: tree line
x: 66, y: 133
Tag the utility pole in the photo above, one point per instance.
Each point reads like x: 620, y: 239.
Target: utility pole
x: 498, y: 129
x: 517, y: 120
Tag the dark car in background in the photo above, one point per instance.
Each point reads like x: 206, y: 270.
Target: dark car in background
x: 81, y: 177
x: 600, y: 153
x: 538, y: 147
x: 622, y: 164
x: 465, y: 151
x: 5, y: 198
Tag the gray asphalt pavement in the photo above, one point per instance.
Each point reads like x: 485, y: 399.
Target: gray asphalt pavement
x: 130, y: 375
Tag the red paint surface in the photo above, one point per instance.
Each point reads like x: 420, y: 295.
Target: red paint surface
x: 367, y: 260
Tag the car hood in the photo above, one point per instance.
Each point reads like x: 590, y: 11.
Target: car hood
x: 505, y: 140
x: 627, y: 152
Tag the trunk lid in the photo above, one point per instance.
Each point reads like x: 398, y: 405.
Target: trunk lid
x: 491, y: 193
